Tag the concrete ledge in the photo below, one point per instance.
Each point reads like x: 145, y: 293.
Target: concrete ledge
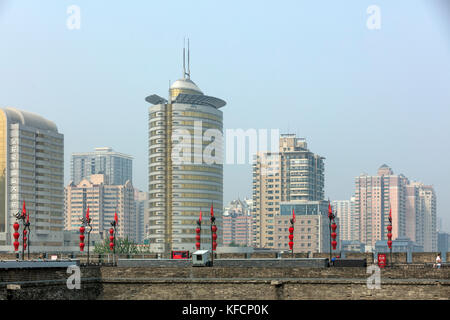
x: 27, y: 264
x: 258, y: 263
x: 174, y: 263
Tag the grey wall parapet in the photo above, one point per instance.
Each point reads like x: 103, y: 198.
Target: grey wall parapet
x: 262, y: 262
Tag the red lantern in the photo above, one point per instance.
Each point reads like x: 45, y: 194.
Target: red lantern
x: 214, y: 245
x: 16, y: 235
x: 25, y: 239
x: 82, y: 230
x: 291, y: 237
x: 81, y: 237
x: 214, y: 236
x: 197, y: 245
x: 389, y: 235
x: 16, y: 245
x: 291, y: 229
x: 111, y: 238
x: 197, y: 237
x: 389, y: 244
x: 197, y: 230
x: 111, y: 231
x: 389, y: 227
x: 25, y: 232
x: 81, y: 246
x: 291, y: 244
x: 334, y: 244
x: 16, y: 226
x: 213, y: 228
x: 111, y: 245
x: 25, y: 246
x: 333, y: 235
x: 333, y: 227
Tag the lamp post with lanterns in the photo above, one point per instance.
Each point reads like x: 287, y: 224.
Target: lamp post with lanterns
x: 22, y: 216
x: 333, y: 227
x: 112, y: 236
x: 389, y: 236
x: 198, y: 232
x: 85, y: 222
x: 213, y: 235
x: 291, y: 233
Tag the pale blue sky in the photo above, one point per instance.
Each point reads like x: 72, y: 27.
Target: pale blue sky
x: 360, y: 97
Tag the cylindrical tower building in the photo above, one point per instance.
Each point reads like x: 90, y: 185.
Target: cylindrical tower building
x: 185, y: 166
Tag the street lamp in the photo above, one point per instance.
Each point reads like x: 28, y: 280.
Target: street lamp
x: 333, y: 226
x: 198, y: 231
x: 85, y: 221
x: 112, y: 236
x: 213, y: 235
x: 389, y: 236
x: 291, y: 233
x: 22, y: 216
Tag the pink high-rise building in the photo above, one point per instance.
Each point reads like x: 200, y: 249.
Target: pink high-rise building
x: 413, y: 207
x: 375, y: 196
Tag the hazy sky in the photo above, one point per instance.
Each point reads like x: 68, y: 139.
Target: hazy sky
x: 360, y: 97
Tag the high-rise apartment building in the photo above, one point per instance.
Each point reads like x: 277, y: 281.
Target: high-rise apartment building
x: 31, y: 170
x: 185, y: 165
x: 117, y: 167
x: 413, y: 207
x: 292, y: 174
x: 424, y: 216
x: 375, y: 196
x: 237, y: 223
x: 141, y: 200
x: 103, y: 200
x: 349, y: 222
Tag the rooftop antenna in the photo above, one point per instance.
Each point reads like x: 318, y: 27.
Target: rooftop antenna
x: 189, y: 64
x: 184, y: 57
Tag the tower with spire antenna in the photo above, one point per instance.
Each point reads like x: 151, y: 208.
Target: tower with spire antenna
x: 179, y: 188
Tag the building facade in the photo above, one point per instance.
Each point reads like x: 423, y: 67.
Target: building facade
x: 32, y: 170
x: 375, y: 197
x: 117, y: 167
x: 311, y: 227
x: 345, y: 210
x: 141, y: 200
x: 103, y: 201
x: 292, y: 174
x: 413, y: 207
x: 185, y: 165
x: 237, y: 223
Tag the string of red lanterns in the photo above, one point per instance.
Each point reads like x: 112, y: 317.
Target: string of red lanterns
x: 198, y: 231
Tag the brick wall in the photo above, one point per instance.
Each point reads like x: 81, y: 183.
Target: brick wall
x: 402, y: 282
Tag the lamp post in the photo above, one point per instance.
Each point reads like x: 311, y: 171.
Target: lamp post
x: 198, y: 232
x: 21, y: 216
x: 291, y: 233
x: 333, y: 226
x: 85, y: 221
x: 112, y: 236
x: 389, y: 236
x: 213, y: 235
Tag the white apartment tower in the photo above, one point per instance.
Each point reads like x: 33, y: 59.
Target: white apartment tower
x: 31, y: 170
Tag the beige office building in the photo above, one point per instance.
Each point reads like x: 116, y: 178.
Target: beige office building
x: 292, y: 174
x: 103, y: 201
x: 185, y: 166
x: 311, y: 227
x: 31, y: 169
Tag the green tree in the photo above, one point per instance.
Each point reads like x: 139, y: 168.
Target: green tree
x: 123, y: 246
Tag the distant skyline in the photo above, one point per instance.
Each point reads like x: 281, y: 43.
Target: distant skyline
x: 360, y: 97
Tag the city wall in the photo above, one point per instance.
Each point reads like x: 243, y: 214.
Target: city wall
x: 106, y: 282
x: 397, y: 257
